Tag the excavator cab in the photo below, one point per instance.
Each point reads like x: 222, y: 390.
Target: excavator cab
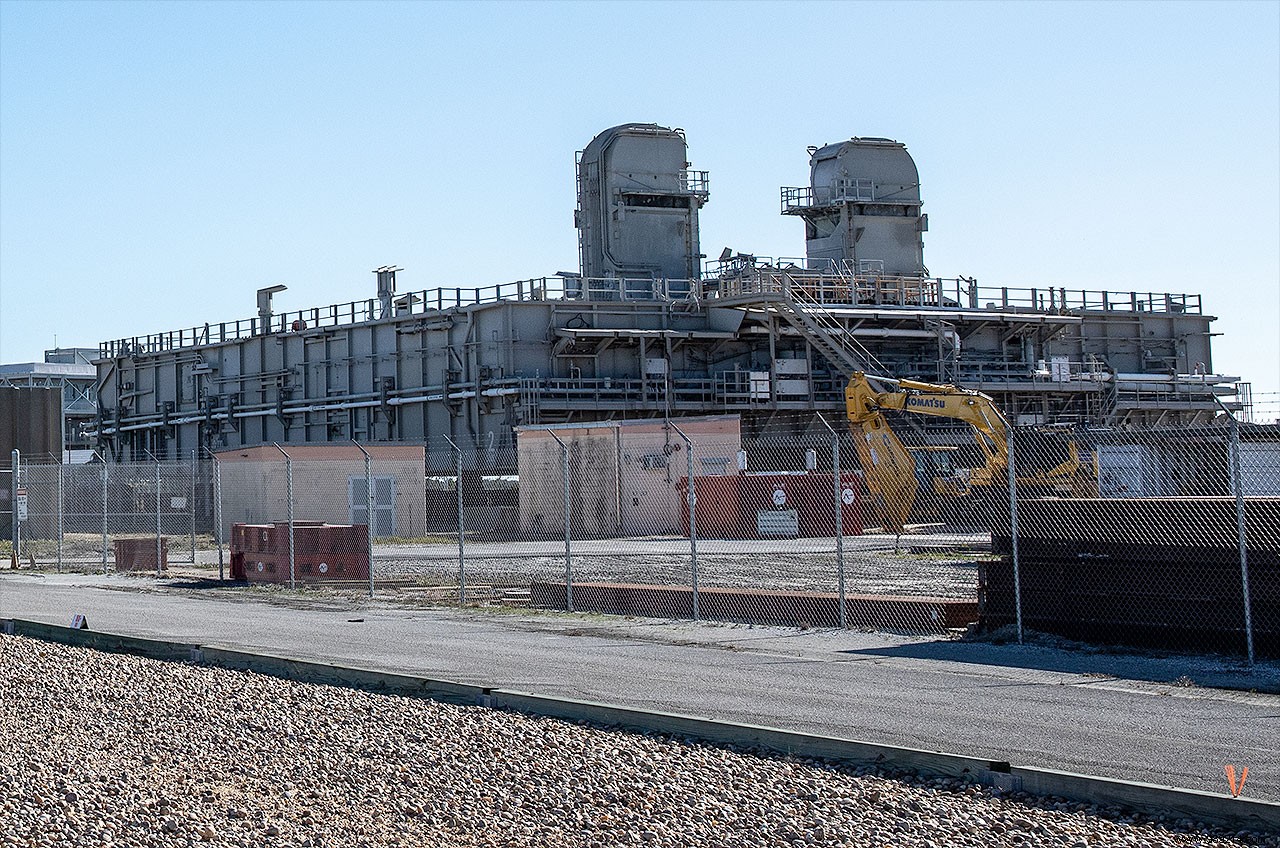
x: 938, y: 477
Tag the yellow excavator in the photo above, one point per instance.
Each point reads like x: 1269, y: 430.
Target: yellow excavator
x: 890, y: 468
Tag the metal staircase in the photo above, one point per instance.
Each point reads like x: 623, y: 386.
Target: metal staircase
x: 814, y: 321
x: 791, y: 297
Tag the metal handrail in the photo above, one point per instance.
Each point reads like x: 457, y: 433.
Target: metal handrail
x: 829, y: 284
x: 831, y: 331
x: 695, y: 182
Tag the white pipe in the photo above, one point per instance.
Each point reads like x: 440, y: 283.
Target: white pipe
x: 1176, y: 378
x: 296, y: 410
x: 401, y: 401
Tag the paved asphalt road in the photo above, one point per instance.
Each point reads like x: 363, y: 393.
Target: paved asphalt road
x: 1113, y: 715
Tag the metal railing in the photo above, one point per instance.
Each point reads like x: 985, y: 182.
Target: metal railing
x: 695, y: 182
x: 795, y: 198
x: 843, y: 287
x: 823, y: 330
x: 825, y: 282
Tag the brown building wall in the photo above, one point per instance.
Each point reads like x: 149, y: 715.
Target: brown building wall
x: 624, y: 477
x: 254, y: 484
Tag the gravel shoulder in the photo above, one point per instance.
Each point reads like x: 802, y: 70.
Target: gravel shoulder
x: 1156, y: 719
x: 105, y: 749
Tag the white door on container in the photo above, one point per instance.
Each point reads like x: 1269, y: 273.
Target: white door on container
x: 384, y: 503
x: 1260, y: 469
x: 1123, y: 471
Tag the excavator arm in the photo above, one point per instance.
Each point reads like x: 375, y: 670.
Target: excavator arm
x: 888, y: 467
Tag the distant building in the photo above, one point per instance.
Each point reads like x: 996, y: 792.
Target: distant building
x: 70, y: 373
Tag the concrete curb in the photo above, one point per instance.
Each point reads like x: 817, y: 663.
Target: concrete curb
x: 1212, y: 808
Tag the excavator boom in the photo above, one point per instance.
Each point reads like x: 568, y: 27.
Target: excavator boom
x: 888, y: 466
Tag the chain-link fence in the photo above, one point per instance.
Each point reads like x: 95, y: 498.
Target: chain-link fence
x: 1163, y: 538
x: 104, y: 516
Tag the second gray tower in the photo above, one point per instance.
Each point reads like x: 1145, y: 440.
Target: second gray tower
x: 861, y: 208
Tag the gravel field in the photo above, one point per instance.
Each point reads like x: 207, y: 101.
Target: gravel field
x: 878, y: 573
x: 104, y: 749
x: 943, y: 566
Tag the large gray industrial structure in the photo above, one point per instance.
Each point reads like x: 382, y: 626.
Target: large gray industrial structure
x: 646, y: 330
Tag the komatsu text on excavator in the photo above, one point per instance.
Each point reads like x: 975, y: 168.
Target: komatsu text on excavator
x: 891, y: 469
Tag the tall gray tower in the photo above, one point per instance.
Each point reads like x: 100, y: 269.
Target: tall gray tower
x: 638, y: 203
x: 862, y: 208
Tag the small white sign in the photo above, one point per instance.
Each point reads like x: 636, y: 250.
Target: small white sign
x: 22, y: 504
x: 779, y: 498
x: 79, y: 621
x: 847, y: 497
x: 177, y: 503
x: 778, y: 522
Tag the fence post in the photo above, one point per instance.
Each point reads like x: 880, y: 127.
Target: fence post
x: 288, y: 494
x: 368, y: 495
x: 15, y: 482
x: 159, y: 538
x: 1013, y: 530
x: 462, y: 531
x: 60, y: 516
x: 1237, y: 487
x: 217, y: 510
x: 193, y: 507
x: 104, y: 513
x: 568, y: 532
x: 691, y: 497
x: 839, y: 504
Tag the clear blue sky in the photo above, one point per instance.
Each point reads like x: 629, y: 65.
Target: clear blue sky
x: 159, y: 162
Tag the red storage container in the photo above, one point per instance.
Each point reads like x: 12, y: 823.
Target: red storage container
x: 260, y: 552
x: 139, y: 554
x: 718, y: 508
x: 731, y: 507
x: 813, y: 497
x: 767, y: 500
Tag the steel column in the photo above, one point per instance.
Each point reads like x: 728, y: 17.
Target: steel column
x: 60, y: 467
x: 368, y: 495
x: 462, y: 530
x: 104, y: 512
x: 568, y: 530
x: 691, y: 497
x: 288, y: 493
x: 839, y: 504
x: 15, y: 483
x: 217, y: 511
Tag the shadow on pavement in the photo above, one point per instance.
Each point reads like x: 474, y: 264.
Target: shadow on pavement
x: 1180, y: 670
